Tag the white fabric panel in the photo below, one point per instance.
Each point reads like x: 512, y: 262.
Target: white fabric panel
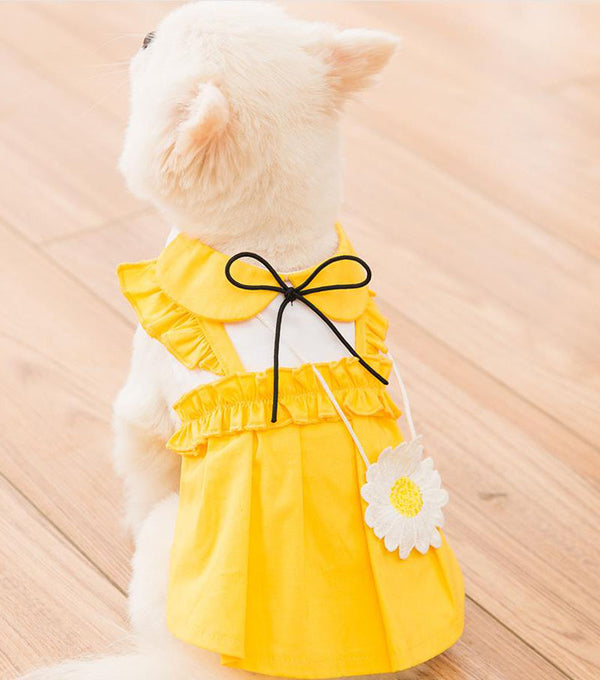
x: 301, y: 329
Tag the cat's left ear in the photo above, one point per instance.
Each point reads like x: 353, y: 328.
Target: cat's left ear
x: 353, y: 58
x: 207, y: 116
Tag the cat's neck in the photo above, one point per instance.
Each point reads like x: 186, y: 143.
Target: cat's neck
x: 289, y: 253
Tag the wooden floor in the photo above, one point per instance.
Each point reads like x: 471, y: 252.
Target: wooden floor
x: 472, y: 187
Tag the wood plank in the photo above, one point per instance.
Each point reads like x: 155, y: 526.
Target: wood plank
x: 93, y: 257
x: 583, y: 93
x: 59, y: 155
x: 488, y: 650
x: 511, y: 298
x: 49, y: 588
x: 523, y: 524
x: 114, y: 30
x: 64, y: 357
x: 517, y: 42
x: 83, y: 48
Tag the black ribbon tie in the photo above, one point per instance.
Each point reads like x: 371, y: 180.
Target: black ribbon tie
x: 290, y: 294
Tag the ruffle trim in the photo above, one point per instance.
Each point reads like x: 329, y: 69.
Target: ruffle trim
x: 242, y: 402
x: 178, y: 329
x: 375, y: 329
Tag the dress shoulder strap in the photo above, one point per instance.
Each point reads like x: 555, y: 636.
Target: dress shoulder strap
x: 196, y: 342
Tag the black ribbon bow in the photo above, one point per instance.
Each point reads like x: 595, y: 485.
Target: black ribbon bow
x: 291, y: 293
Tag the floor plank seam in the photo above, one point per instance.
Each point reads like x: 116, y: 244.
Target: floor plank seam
x: 63, y: 535
x: 499, y: 382
x: 132, y: 215
x: 50, y: 78
x: 51, y: 361
x: 521, y: 639
x: 484, y: 196
x: 58, y: 267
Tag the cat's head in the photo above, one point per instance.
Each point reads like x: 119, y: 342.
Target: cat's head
x: 234, y: 115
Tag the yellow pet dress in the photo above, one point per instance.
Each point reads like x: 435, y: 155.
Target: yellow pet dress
x: 308, y: 541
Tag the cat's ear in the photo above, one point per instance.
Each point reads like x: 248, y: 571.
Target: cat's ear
x: 206, y: 116
x: 353, y: 58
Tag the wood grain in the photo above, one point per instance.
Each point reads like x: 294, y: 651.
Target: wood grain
x: 484, y: 105
x: 471, y: 187
x: 511, y: 285
x: 54, y: 602
x: 64, y: 355
x: 61, y: 151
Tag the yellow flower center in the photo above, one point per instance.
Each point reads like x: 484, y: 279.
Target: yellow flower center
x: 406, y: 497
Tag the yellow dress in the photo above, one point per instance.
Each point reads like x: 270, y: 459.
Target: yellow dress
x: 272, y: 564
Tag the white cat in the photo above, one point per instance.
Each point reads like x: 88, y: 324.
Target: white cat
x: 234, y: 136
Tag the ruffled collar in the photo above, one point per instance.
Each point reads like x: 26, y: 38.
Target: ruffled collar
x: 193, y: 274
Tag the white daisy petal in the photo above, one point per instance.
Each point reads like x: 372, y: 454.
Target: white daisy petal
x: 426, y: 467
x: 421, y: 476
x: 410, y: 456
x: 373, y: 473
x: 411, y: 466
x: 370, y: 514
x: 392, y: 538
x: 437, y: 497
x: 387, y: 519
x: 376, y: 515
x: 406, y: 546
x: 402, y: 531
x: 422, y: 543
x: 411, y: 532
x: 379, y: 487
x: 432, y: 482
x: 404, y: 466
x: 371, y: 492
x: 436, y: 539
x: 422, y: 534
x: 435, y: 480
x: 436, y: 517
x: 389, y: 463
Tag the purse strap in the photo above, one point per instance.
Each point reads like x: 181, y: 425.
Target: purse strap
x: 403, y: 393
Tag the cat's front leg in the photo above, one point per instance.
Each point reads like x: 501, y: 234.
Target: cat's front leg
x: 142, y: 425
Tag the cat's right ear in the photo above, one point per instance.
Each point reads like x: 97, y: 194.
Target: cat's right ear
x: 207, y: 116
x: 352, y: 57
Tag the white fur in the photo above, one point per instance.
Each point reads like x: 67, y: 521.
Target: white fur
x: 234, y: 136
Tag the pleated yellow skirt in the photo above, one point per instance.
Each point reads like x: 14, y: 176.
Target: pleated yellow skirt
x: 272, y: 564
